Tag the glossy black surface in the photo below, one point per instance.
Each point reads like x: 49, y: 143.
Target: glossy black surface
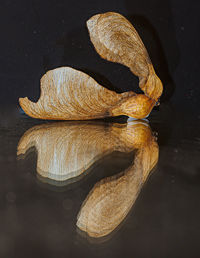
x: 39, y: 219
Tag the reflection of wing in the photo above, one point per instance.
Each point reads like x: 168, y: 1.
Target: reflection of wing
x: 116, y: 40
x: 68, y: 94
x: 112, y: 198
x: 67, y: 149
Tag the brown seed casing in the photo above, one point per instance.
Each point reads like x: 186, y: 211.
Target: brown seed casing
x: 68, y: 94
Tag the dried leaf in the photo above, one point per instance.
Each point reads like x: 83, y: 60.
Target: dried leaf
x: 66, y: 150
x: 116, y: 40
x: 111, y: 199
x: 68, y: 94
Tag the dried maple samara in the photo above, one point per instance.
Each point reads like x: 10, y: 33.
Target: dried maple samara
x: 68, y: 94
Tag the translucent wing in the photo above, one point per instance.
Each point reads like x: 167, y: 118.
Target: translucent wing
x: 68, y: 94
x: 116, y: 40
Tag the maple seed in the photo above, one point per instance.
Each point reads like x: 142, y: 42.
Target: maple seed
x: 68, y: 94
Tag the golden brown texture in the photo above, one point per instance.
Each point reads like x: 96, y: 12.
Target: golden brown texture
x: 111, y: 199
x: 68, y: 94
x: 67, y: 149
x: 116, y: 40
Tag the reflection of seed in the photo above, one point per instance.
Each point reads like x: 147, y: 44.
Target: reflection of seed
x: 67, y: 204
x: 111, y: 199
x: 11, y: 197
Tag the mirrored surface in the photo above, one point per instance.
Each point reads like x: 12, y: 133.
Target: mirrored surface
x: 65, y: 150
x: 85, y: 189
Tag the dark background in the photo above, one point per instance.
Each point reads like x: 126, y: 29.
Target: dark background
x: 40, y: 35
x: 38, y: 220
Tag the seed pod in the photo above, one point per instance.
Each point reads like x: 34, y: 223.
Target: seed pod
x: 68, y: 94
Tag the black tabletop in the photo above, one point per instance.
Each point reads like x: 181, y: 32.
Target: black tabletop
x: 38, y: 215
